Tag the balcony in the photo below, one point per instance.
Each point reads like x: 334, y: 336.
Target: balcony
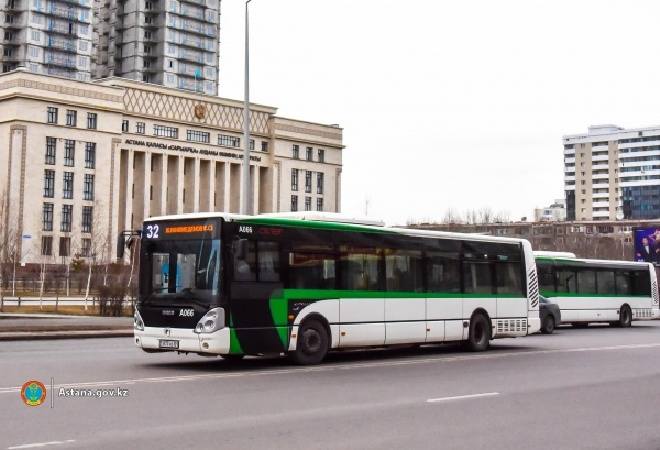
x: 191, y: 56
x: 55, y: 59
x: 63, y: 45
x: 62, y: 28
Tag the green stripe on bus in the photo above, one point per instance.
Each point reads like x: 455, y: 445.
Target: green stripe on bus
x: 319, y: 294
x: 234, y: 343
x: 279, y: 309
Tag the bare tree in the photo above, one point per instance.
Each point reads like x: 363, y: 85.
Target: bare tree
x: 451, y: 216
x: 485, y: 215
x: 97, y: 250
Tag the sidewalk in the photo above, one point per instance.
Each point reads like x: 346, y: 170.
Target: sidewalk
x: 15, y: 326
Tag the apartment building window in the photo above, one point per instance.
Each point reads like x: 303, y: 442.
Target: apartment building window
x: 308, y: 203
x: 162, y: 130
x: 198, y: 136
x: 294, y: 179
x: 308, y: 155
x: 319, y: 204
x: 308, y: 182
x: 51, y: 116
x: 92, y: 121
x: 319, y: 183
x: 321, y: 155
x: 69, y: 153
x: 90, y: 155
x: 147, y: 34
x: 139, y: 127
x: 71, y: 118
x: 294, y: 203
x: 65, y: 246
x: 124, y: 126
x: 51, y: 149
x: 67, y: 187
x: 228, y: 141
x: 85, y: 247
x: 49, y: 183
x: 65, y: 223
x: 264, y: 146
x: 47, y: 245
x: 87, y: 212
x: 88, y: 187
x: 296, y: 151
x: 47, y: 217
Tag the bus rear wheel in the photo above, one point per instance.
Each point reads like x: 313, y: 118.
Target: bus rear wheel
x: 313, y: 343
x: 548, y: 324
x: 479, y: 337
x: 625, y: 317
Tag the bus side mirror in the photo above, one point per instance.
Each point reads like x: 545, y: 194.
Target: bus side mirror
x: 241, y: 249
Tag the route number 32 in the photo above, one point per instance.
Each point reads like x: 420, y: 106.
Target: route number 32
x: 152, y: 231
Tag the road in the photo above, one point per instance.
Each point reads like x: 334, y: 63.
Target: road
x: 595, y: 388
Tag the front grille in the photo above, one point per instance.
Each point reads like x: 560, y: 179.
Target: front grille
x: 506, y: 326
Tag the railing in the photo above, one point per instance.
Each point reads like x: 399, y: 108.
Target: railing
x: 60, y: 60
x: 61, y: 44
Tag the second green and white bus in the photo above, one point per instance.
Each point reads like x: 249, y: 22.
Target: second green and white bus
x: 302, y: 285
x: 586, y: 291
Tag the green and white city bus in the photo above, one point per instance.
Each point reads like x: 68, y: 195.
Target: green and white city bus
x: 302, y: 285
x: 587, y: 290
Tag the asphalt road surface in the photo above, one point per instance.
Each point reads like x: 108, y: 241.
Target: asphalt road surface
x: 596, y: 388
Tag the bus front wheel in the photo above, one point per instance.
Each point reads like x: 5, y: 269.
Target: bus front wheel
x: 312, y: 345
x: 479, y: 337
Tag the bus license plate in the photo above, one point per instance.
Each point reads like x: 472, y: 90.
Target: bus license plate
x: 167, y: 343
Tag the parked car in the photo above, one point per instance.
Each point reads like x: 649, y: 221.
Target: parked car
x: 550, y: 315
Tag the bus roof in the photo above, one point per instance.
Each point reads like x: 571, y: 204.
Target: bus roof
x: 593, y: 262
x: 312, y: 222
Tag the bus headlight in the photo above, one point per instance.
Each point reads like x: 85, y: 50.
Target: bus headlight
x: 213, y: 320
x: 138, y: 323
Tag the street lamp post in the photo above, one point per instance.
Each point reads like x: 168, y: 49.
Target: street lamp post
x: 245, y: 199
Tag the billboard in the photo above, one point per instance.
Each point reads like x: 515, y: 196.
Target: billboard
x: 647, y: 244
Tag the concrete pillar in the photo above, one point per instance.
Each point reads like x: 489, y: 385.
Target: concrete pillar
x: 147, y: 185
x: 227, y: 190
x: 195, y: 189
x: 180, y: 183
x: 128, y: 225
x: 163, y: 186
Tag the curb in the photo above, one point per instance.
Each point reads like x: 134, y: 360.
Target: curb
x: 83, y: 334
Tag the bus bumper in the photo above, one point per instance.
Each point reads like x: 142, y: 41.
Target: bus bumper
x: 533, y: 325
x: 216, y: 343
x: 656, y: 313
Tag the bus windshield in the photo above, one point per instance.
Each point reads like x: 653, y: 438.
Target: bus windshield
x: 187, y: 270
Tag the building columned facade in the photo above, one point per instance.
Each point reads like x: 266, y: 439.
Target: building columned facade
x: 611, y: 173
x: 82, y: 161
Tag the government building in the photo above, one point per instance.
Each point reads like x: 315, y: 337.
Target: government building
x: 82, y: 161
x: 612, y: 173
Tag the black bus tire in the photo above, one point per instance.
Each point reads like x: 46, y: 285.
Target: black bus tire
x: 479, y: 337
x: 312, y: 345
x: 625, y: 317
x: 548, y: 324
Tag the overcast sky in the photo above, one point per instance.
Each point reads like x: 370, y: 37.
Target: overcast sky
x: 449, y: 104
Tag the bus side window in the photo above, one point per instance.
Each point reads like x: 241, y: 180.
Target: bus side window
x: 478, y: 278
x: 443, y: 272
x: 311, y: 270
x: 403, y: 270
x: 622, y: 282
x: 359, y: 267
x: 268, y: 254
x: 244, y: 256
x: 546, y: 278
x: 586, y: 282
x: 509, y: 278
x: 605, y: 282
x: 566, y: 281
x: 641, y: 283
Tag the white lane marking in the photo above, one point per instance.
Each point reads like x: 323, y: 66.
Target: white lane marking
x: 41, y: 444
x: 461, y: 397
x: 348, y: 366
